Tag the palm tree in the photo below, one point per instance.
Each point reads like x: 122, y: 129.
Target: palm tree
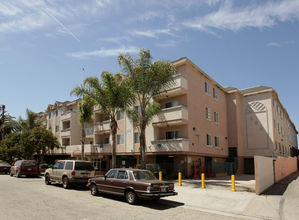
x: 112, y: 94
x: 86, y: 106
x: 31, y: 122
x: 7, y: 124
x: 148, y: 80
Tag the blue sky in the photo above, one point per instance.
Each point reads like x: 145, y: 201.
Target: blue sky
x: 44, y: 45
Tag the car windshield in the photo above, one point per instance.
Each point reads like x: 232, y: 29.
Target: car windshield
x: 29, y: 164
x: 83, y: 166
x: 143, y: 175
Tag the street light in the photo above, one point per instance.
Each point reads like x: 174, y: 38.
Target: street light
x: 3, y: 109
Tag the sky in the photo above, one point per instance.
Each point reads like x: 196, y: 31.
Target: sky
x: 49, y: 47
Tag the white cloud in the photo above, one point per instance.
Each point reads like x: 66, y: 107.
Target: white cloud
x: 170, y: 43
x: 105, y: 52
x: 273, y: 44
x: 115, y: 39
x: 153, y: 33
x: 234, y: 18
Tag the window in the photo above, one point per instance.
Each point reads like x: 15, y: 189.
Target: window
x: 111, y: 174
x: 216, y: 117
x: 59, y: 165
x: 120, y: 115
x: 122, y: 175
x: 171, y: 104
x: 209, y: 141
x: 172, y: 134
x: 50, y: 115
x: 215, y: 95
x: 136, y: 137
x: 278, y: 126
x: 120, y: 139
x: 208, y: 113
x: 69, y: 165
x: 282, y: 130
x: 280, y: 113
x: 279, y: 147
x: 275, y: 145
x: 138, y: 108
x: 216, y: 141
x: 274, y: 123
x: 273, y: 103
x: 207, y: 88
x: 106, y: 118
x: 277, y: 108
x: 57, y: 128
x: 106, y: 140
x: 57, y: 112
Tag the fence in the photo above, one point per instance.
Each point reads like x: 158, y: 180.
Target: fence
x: 169, y: 170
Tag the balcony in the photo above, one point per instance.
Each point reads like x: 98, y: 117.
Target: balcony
x: 177, y: 115
x: 89, y: 132
x: 65, y: 132
x: 102, y: 127
x: 102, y: 148
x: 169, y: 145
x: 179, y: 88
x: 65, y: 116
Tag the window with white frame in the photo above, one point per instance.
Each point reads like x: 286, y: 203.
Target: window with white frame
x: 57, y: 128
x: 216, y: 117
x: 50, y: 115
x: 137, y: 137
x: 138, y: 108
x: 278, y: 126
x: 171, y: 104
x: 207, y: 88
x: 172, y: 134
x: 209, y: 140
x: 57, y: 112
x: 216, y: 141
x: 215, y: 95
x: 120, y: 139
x: 208, y: 113
x: 282, y: 130
x: 277, y: 108
x: 120, y: 115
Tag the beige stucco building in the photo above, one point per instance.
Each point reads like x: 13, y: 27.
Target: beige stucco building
x: 202, y: 127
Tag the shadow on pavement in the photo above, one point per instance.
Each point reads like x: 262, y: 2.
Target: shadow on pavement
x: 280, y: 187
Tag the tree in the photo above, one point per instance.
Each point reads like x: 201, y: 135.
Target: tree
x: 148, y: 80
x: 112, y: 94
x: 31, y: 122
x: 9, y: 125
x: 10, y: 147
x: 86, y: 106
x: 38, y: 141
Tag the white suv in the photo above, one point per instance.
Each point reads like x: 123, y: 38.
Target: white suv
x: 67, y: 172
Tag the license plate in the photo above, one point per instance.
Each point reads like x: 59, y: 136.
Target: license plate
x: 29, y: 168
x: 163, y: 189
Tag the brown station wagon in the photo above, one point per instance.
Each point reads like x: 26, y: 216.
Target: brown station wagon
x: 133, y: 184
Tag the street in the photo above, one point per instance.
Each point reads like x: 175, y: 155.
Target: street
x: 30, y: 198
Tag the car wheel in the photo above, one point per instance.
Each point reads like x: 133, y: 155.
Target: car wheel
x: 47, y: 179
x: 131, y: 197
x: 94, y: 190
x: 65, y: 183
x: 11, y: 174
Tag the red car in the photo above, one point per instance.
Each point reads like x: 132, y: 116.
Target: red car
x: 133, y: 184
x: 24, y: 167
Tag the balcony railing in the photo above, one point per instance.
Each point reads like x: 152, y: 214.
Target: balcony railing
x: 65, y: 132
x: 100, y: 127
x: 102, y: 148
x: 67, y: 115
x: 169, y: 145
x: 180, y: 87
x: 175, y: 115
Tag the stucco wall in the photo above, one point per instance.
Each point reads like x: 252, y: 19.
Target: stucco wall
x: 284, y: 167
x: 264, y: 176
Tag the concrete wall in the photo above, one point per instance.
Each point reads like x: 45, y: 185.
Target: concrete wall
x: 284, y: 167
x: 264, y: 175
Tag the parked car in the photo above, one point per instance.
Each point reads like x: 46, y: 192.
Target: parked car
x: 5, y: 167
x: 24, y: 167
x: 67, y: 172
x: 133, y: 184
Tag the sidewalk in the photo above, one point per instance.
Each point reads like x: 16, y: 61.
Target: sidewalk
x: 279, y: 202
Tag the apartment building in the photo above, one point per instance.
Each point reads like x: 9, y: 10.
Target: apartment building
x: 201, y: 127
x: 258, y: 125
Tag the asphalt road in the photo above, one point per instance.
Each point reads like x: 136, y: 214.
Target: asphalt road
x: 30, y: 198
